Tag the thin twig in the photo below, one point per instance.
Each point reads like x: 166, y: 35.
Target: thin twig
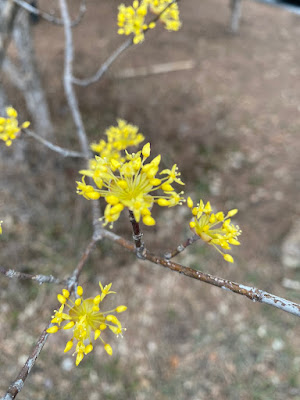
x: 137, y: 236
x: 124, y: 46
x: 181, y: 247
x: 104, y: 67
x: 252, y: 293
x: 11, y: 273
x: 50, y: 18
x: 84, y: 257
x: 18, y: 384
x: 53, y: 147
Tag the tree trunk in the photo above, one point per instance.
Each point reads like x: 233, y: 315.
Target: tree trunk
x: 32, y: 89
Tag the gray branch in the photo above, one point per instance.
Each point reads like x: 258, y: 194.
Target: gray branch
x: 31, y: 88
x: 50, y: 18
x: 53, y: 147
x: 104, y: 67
x: 12, y: 274
x: 254, y: 294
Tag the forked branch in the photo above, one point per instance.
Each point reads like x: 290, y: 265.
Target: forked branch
x: 51, y: 18
x: 251, y: 293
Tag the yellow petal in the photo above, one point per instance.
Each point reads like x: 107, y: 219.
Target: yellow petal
x: 79, y: 358
x: 227, y: 257
x: 97, y: 334
x: 108, y: 349
x: 163, y: 202
x: 77, y: 302
x: 53, y: 329
x: 190, y: 202
x: 120, y: 309
x: 66, y: 293
x: 69, y: 345
x: 146, y: 150
x: 61, y: 299
x: 148, y: 220
x: 231, y: 213
x: 88, y: 348
x: 69, y: 325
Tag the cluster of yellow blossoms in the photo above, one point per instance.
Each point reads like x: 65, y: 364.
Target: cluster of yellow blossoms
x: 169, y: 15
x: 9, y: 126
x: 129, y: 181
x: 130, y: 184
x: 85, y: 318
x: 131, y: 19
x: 118, y: 138
x: 215, y: 229
x: 1, y: 222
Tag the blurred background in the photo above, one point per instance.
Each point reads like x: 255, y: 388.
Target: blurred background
x: 231, y: 122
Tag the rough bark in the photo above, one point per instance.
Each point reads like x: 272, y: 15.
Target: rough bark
x: 32, y: 90
x: 8, y: 12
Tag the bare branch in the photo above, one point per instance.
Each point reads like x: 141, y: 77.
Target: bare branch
x: 11, y: 273
x: 181, y: 247
x: 28, y: 73
x: 50, y: 18
x: 104, y: 67
x: 82, y: 261
x: 53, y: 147
x: 252, y: 293
x: 18, y: 384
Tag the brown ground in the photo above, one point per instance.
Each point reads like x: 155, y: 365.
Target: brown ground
x: 232, y: 125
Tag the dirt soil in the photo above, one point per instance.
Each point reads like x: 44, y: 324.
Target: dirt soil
x: 231, y: 123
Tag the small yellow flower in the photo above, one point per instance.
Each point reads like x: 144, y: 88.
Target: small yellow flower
x: 132, y: 20
x: 9, y: 127
x: 118, y: 138
x: 87, y: 321
x: 214, y: 229
x: 131, y: 184
x: 1, y: 222
x: 169, y: 17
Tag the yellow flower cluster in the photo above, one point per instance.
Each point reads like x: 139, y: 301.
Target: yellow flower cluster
x: 169, y: 17
x: 9, y: 126
x: 118, y: 138
x: 85, y: 318
x: 1, y: 222
x: 130, y: 184
x: 131, y: 19
x: 214, y: 229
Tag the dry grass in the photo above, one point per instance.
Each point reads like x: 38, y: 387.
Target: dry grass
x: 231, y: 124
